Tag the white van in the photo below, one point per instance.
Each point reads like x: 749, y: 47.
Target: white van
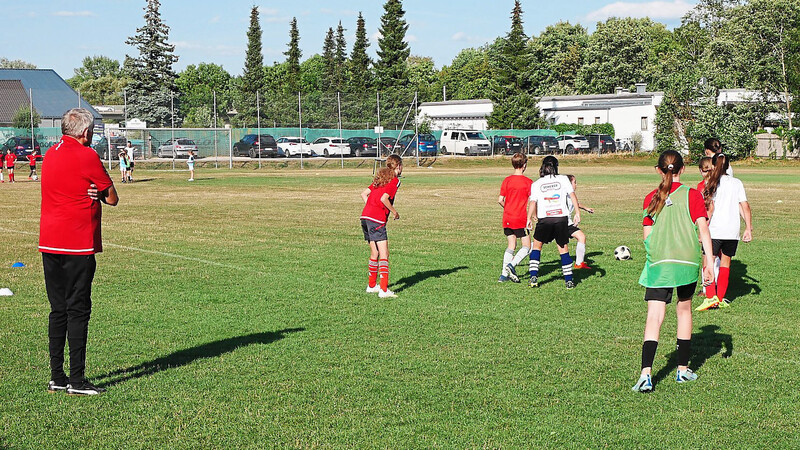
x: 464, y: 142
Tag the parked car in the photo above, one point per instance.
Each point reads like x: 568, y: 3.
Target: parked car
x: 425, y: 144
x: 390, y: 145
x: 21, y: 146
x: 328, y: 146
x: 601, y: 143
x: 506, y: 145
x: 176, y: 148
x: 250, y: 145
x: 363, y: 146
x: 294, y: 146
x: 537, y: 145
x: 464, y: 142
x: 573, y: 143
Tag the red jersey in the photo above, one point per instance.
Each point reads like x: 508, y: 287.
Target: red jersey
x: 375, y: 210
x: 32, y: 158
x: 70, y: 220
x: 701, y: 186
x: 10, y: 159
x: 517, y: 191
x: 697, y: 207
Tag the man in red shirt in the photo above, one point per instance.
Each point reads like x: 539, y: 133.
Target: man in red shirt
x: 515, y: 193
x: 74, y: 182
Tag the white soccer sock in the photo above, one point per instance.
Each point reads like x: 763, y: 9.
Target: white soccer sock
x: 507, y: 257
x: 580, y: 253
x: 521, y: 254
x: 717, y: 262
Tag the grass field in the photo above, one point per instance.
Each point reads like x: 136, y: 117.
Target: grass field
x: 230, y: 313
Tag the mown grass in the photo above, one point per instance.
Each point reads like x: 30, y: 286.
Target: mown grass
x: 230, y: 312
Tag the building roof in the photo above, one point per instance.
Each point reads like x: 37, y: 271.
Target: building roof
x: 52, y: 96
x: 12, y: 96
x: 614, y: 96
x: 457, y: 102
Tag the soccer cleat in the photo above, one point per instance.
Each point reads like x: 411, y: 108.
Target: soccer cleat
x: 570, y: 284
x: 684, y: 376
x: 534, y: 281
x: 84, y: 388
x: 512, y: 274
x: 724, y: 303
x: 56, y: 386
x: 373, y: 290
x: 502, y: 279
x: 645, y: 384
x: 387, y: 294
x: 708, y: 303
x: 191, y: 179
x: 582, y: 265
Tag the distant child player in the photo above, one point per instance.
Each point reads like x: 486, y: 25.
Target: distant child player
x: 725, y: 201
x: 32, y: 158
x: 713, y: 146
x: 514, y: 195
x: 130, y: 150
x: 10, y: 160
x: 190, y: 163
x: 575, y: 232
x: 378, y: 203
x: 705, y: 167
x: 549, y: 206
x: 123, y: 164
x: 674, y: 225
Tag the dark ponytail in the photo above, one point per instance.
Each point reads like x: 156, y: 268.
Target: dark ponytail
x: 549, y: 166
x: 669, y: 163
x: 721, y: 164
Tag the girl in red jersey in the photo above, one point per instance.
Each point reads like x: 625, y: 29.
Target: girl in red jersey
x: 32, y: 158
x: 10, y: 160
x: 514, y: 195
x: 675, y: 228
x: 378, y: 203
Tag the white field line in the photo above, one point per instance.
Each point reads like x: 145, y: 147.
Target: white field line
x: 155, y: 252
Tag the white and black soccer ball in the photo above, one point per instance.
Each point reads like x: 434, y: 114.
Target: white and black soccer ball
x: 35, y: 178
x: 622, y: 253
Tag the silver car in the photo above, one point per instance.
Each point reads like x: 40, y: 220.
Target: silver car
x: 176, y: 148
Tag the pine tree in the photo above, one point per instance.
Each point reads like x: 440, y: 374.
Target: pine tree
x: 329, y: 58
x: 390, y: 69
x: 340, y: 58
x: 359, y: 75
x: 152, y: 80
x: 252, y: 81
x: 293, y: 55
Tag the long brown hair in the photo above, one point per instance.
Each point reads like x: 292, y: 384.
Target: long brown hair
x: 383, y: 177
x: 393, y: 161
x: 669, y: 163
x: 720, y: 162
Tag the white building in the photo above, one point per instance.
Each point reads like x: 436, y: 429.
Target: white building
x: 628, y: 112
x: 457, y: 114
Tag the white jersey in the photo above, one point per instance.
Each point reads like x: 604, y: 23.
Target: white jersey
x: 725, y: 222
x: 550, y: 194
x: 571, y: 209
x: 130, y: 150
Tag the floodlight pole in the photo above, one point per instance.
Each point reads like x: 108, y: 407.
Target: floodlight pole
x: 216, y: 159
x: 172, y: 108
x: 339, y: 103
x: 416, y: 127
x: 300, y: 115
x: 258, y: 122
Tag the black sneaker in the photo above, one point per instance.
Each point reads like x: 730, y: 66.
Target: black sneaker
x: 84, y: 388
x: 570, y: 284
x: 57, y: 386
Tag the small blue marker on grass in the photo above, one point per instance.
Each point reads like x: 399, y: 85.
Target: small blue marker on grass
x: 18, y: 264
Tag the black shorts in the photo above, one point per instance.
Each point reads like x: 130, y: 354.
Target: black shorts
x: 552, y: 228
x: 572, y: 229
x: 685, y: 292
x: 373, y: 231
x: 725, y: 246
x: 518, y: 232
x: 130, y: 165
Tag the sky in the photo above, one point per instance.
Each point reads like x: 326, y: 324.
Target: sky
x: 58, y: 34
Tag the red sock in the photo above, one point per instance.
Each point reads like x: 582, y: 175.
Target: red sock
x: 722, y: 281
x: 373, y: 273
x: 383, y: 268
x: 711, y: 290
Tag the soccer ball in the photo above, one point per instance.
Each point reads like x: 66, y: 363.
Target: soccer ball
x: 622, y: 253
x: 35, y: 177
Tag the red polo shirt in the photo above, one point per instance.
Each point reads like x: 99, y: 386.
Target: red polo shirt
x: 70, y: 221
x: 374, y: 210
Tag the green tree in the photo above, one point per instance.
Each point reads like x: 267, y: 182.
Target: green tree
x: 469, y: 75
x: 558, y: 53
x: 6, y: 63
x: 152, y: 79
x: 22, y: 118
x: 252, y: 80
x: 340, y: 58
x: 197, y: 85
x: 293, y: 55
x: 422, y: 77
x: 393, y: 51
x: 100, y: 80
x: 329, y: 56
x: 94, y: 67
x: 359, y: 74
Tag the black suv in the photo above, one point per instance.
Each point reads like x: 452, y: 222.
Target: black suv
x: 606, y: 143
x: 507, y: 145
x: 251, y: 146
x: 117, y: 143
x: 363, y: 146
x: 537, y: 145
x: 20, y: 146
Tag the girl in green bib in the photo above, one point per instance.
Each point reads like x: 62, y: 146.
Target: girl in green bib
x: 675, y: 225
